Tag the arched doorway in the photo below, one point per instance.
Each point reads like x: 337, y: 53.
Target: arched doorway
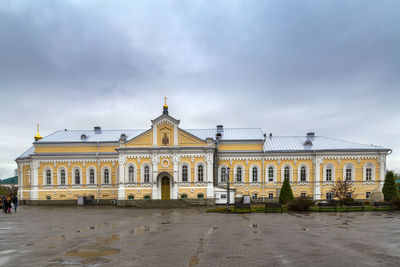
x: 165, y: 188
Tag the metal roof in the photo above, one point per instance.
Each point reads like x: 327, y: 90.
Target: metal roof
x: 297, y: 143
x: 27, y: 153
x: 114, y: 135
x: 91, y: 135
x: 11, y: 180
x: 229, y: 133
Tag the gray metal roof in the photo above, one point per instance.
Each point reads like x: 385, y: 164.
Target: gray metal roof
x: 229, y: 133
x: 297, y: 143
x: 114, y: 135
x: 91, y: 136
x: 27, y: 153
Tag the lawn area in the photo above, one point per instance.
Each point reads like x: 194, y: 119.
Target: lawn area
x: 261, y: 209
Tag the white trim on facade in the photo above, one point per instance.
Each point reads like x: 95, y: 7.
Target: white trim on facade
x: 290, y: 172
x: 274, y: 178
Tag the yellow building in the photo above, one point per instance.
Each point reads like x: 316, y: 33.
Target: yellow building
x: 167, y: 162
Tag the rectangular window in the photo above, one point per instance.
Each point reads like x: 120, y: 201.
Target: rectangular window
x: 348, y: 174
x: 254, y: 196
x: 348, y: 195
x: 239, y: 174
x: 271, y: 196
x: 270, y: 174
x: 62, y: 177
x: 223, y: 196
x: 328, y: 175
x: 303, y: 195
x: 367, y: 195
x: 368, y: 174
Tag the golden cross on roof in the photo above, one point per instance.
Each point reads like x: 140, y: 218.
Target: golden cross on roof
x: 165, y: 99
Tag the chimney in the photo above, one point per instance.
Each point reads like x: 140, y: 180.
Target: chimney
x: 270, y: 135
x: 220, y: 128
x: 97, y: 129
x: 310, y: 136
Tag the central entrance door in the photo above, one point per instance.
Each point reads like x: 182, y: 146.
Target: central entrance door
x: 165, y: 190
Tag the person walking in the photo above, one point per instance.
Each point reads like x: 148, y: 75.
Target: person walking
x: 8, y: 205
x: 15, y: 202
x: 4, y: 204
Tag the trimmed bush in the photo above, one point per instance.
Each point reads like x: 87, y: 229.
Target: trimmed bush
x: 300, y: 204
x: 396, y: 202
x: 389, y: 189
x: 286, y: 194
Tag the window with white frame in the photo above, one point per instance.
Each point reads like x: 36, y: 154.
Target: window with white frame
x: 62, y: 176
x: 146, y: 174
x: 255, y: 174
x: 131, y: 174
x: 349, y: 172
x: 328, y: 173
x: 271, y: 174
x: 184, y: 173
x: 91, y: 176
x: 368, y: 174
x: 303, y: 195
x: 254, y: 196
x: 303, y: 174
x: 77, y: 176
x: 48, y: 177
x: 106, y: 176
x: 200, y: 173
x: 286, y: 173
x: 239, y: 174
x: 271, y: 196
x: 223, y: 175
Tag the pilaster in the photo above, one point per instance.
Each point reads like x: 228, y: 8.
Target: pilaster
x: 35, y: 181
x: 155, y: 159
x: 122, y: 178
x: 210, y: 169
x: 382, y: 171
x: 317, y: 179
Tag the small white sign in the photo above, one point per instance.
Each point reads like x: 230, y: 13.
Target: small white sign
x: 246, y: 199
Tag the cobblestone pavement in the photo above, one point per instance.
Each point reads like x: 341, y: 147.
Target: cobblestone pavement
x: 110, y: 236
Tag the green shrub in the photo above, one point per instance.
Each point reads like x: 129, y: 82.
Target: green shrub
x: 396, y: 202
x: 389, y: 189
x: 348, y: 200
x: 367, y: 202
x: 286, y: 194
x: 300, y: 204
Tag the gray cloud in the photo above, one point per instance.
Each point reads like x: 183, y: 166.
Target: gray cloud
x: 285, y: 66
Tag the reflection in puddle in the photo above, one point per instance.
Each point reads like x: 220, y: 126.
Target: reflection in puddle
x: 92, y: 253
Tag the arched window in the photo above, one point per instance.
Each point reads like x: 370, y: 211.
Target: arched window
x: 146, y: 197
x: 200, y: 173
x: 91, y: 176
x: 329, y: 173
x: 368, y: 174
x: 271, y: 174
x: 106, y: 176
x: 200, y: 196
x: 184, y: 173
x: 348, y: 172
x: 131, y: 197
x: 77, y: 176
x: 286, y: 173
x: 239, y: 174
x: 131, y: 174
x: 48, y: 177
x: 303, y: 174
x: 147, y: 174
x: 62, y: 177
x: 255, y: 174
x: 223, y: 175
x: 184, y: 196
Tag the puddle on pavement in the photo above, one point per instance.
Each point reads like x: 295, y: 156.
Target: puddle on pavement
x: 91, y: 256
x: 194, y: 260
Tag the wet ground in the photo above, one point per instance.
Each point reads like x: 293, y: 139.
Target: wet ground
x: 109, y: 236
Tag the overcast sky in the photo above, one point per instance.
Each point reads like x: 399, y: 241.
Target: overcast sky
x: 288, y: 67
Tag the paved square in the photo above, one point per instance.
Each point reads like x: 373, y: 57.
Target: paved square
x: 109, y: 236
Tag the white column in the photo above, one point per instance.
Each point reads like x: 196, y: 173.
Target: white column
x: 317, y: 178
x: 35, y: 181
x: 210, y: 175
x: 121, y: 169
x: 154, y: 161
x: 382, y: 171
x: 175, y: 182
x: 21, y: 182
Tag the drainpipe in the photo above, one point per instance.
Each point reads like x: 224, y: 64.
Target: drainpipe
x: 98, y: 174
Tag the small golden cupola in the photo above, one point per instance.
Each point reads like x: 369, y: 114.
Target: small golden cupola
x: 38, y: 136
x: 165, y: 107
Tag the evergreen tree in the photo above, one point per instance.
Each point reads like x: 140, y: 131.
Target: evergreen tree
x: 286, y: 194
x: 389, y: 189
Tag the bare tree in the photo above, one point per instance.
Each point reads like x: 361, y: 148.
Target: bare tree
x: 341, y: 190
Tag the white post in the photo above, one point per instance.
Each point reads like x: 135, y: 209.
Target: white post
x: 210, y: 171
x: 317, y: 178
x: 175, y: 182
x: 121, y: 186
x: 382, y: 171
x: 35, y: 181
